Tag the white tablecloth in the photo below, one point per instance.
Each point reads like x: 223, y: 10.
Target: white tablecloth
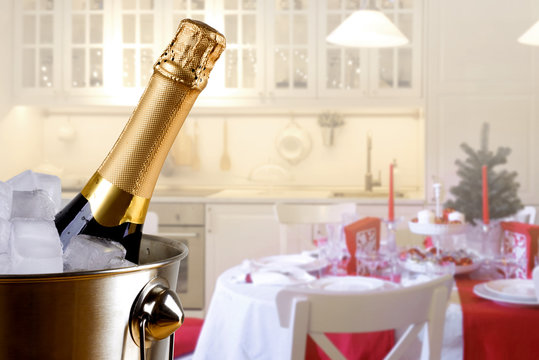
x: 242, y: 324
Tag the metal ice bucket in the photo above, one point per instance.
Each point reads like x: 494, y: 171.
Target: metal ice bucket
x: 95, y: 314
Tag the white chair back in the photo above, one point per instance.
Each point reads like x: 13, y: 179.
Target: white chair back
x: 526, y: 215
x: 295, y: 235
x: 309, y: 311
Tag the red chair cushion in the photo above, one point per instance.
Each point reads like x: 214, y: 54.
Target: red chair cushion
x: 185, y: 338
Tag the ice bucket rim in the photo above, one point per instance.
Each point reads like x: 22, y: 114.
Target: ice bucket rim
x: 94, y: 274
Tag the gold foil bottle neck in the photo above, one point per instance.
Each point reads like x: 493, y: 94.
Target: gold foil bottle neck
x: 135, y: 161
x: 192, y: 53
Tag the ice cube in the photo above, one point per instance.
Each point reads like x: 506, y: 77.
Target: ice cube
x: 118, y: 262
x: 25, y: 181
x: 5, y: 233
x: 35, y: 247
x: 86, y: 252
x: 6, y: 198
x: 34, y: 204
x: 29, y: 181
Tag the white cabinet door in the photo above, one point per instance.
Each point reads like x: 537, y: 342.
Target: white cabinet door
x: 371, y: 73
x: 235, y: 232
x: 37, y: 48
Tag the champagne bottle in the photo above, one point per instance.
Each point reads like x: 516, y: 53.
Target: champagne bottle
x: 114, y: 202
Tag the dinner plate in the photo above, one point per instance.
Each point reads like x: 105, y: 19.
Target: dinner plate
x: 305, y: 262
x: 464, y: 269
x: 436, y: 229
x: 422, y: 267
x: 347, y: 283
x: 285, y: 276
x: 482, y: 291
x: 513, y: 288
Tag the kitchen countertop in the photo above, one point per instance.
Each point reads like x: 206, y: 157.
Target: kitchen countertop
x: 271, y: 195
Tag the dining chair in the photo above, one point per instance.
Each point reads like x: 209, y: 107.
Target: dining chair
x: 315, y: 312
x: 526, y: 215
x: 294, y: 238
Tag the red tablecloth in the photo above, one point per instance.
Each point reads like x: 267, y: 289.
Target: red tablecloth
x: 365, y: 346
x: 495, y: 331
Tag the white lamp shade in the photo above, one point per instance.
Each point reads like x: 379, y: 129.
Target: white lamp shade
x: 367, y: 28
x: 531, y: 36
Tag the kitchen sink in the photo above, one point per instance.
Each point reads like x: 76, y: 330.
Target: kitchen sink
x: 364, y: 194
x: 271, y: 193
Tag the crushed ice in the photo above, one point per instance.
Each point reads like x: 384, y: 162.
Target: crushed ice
x: 29, y: 241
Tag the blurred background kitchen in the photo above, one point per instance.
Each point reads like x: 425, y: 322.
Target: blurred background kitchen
x: 286, y: 115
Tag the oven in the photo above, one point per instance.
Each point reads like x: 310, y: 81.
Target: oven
x: 184, y: 222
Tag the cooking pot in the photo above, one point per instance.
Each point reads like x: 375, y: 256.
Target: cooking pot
x: 102, y: 314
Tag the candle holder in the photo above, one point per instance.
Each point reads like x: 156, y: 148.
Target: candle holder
x: 389, y: 244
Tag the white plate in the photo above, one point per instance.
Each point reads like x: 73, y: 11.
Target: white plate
x: 305, y: 262
x: 347, y: 283
x: 482, y: 291
x: 285, y: 276
x: 421, y: 267
x: 513, y: 288
x: 436, y: 229
x: 464, y: 269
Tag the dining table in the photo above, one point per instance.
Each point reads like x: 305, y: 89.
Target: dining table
x: 242, y: 323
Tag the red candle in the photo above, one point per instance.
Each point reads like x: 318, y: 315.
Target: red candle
x: 391, y: 210
x: 486, y: 219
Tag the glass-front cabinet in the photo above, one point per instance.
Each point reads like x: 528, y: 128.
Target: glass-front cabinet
x: 276, y: 50
x: 371, y: 72
x: 292, y: 49
x: 36, y: 62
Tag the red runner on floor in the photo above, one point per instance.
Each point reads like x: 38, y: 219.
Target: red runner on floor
x: 496, y: 331
x: 364, y: 346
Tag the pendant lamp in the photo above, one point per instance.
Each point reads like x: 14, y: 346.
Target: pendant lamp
x: 531, y: 36
x: 367, y: 27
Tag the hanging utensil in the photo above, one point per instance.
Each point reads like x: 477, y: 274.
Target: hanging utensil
x: 293, y: 143
x: 225, y: 158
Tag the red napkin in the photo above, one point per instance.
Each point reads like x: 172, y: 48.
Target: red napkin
x: 521, y: 239
x: 186, y: 337
x: 494, y: 331
x: 365, y: 234
x: 364, y: 346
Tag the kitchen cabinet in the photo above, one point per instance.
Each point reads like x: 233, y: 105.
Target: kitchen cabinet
x: 277, y: 53
x: 91, y: 52
x: 478, y: 73
x: 102, y: 52
x: 367, y: 73
x: 235, y: 232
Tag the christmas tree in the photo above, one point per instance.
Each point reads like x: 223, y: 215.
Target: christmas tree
x: 502, y: 187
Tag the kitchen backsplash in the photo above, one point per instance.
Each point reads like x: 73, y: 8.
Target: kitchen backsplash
x: 279, y: 149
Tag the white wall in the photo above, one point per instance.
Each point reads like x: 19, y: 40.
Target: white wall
x: 252, y: 142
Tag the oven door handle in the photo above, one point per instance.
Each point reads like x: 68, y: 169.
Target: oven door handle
x: 183, y: 235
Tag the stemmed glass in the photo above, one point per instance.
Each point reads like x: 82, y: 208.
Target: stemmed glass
x: 506, y: 261
x: 332, y: 249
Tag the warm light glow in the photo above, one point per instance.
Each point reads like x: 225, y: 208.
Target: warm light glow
x: 367, y: 28
x: 531, y: 36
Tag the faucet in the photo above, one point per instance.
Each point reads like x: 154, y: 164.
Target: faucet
x: 369, y: 181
